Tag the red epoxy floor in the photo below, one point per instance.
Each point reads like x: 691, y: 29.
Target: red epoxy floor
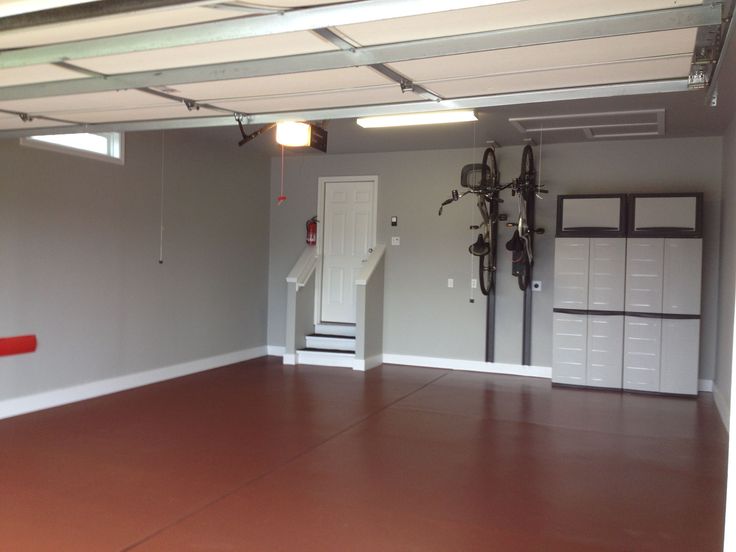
x: 262, y: 457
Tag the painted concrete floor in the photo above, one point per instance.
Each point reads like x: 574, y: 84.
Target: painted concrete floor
x: 261, y: 457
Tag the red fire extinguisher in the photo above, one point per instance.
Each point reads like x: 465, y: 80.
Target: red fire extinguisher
x: 312, y: 231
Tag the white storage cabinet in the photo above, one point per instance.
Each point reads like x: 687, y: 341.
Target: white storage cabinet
x: 627, y: 309
x: 589, y: 292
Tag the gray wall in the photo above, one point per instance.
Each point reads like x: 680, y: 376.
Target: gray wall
x: 79, y: 242
x: 727, y: 284
x: 422, y: 316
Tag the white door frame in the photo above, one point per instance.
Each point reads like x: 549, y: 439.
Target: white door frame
x: 320, y: 234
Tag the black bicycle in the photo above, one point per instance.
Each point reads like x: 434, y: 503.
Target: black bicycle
x: 526, y: 189
x: 481, y: 179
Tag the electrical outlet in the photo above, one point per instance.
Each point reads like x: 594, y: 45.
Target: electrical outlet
x: 536, y: 285
x: 450, y: 283
x: 473, y: 283
x: 395, y: 240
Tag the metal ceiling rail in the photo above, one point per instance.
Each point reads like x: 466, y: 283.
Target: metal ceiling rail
x: 474, y: 102
x: 302, y: 19
x: 549, y: 33
x: 712, y: 94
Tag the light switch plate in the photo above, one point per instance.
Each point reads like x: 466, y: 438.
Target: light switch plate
x: 450, y: 282
x: 395, y: 240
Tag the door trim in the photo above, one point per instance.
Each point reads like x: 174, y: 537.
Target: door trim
x: 321, y: 181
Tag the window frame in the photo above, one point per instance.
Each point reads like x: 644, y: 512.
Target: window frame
x: 117, y: 139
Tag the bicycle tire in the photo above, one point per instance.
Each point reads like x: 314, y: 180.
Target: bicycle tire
x: 493, y: 238
x: 528, y: 172
x: 485, y: 273
x: 523, y: 277
x: 489, y: 172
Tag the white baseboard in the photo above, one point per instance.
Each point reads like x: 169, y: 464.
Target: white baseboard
x: 368, y: 363
x: 722, y: 405
x: 58, y: 397
x: 289, y: 360
x: 705, y: 385
x: 470, y: 365
x: 275, y: 350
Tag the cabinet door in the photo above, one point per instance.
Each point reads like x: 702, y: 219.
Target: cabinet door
x: 642, y: 353
x: 607, y: 274
x: 605, y: 351
x: 571, y: 273
x: 644, y: 266
x: 682, y: 275
x: 680, y: 352
x: 568, y: 352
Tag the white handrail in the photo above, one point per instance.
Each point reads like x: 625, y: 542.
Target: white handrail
x: 370, y: 265
x: 304, y: 267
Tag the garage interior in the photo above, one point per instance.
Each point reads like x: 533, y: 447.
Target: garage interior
x: 155, y: 388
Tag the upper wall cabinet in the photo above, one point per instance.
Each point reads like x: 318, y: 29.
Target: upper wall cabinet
x: 665, y: 215
x: 591, y: 216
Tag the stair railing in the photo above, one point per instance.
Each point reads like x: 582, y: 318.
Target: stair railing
x: 300, y: 302
x: 369, y: 286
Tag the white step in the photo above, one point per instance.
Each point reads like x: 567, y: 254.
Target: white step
x: 333, y: 342
x: 326, y: 328
x: 325, y: 358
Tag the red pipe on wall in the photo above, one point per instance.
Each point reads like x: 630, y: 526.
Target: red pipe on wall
x: 17, y: 345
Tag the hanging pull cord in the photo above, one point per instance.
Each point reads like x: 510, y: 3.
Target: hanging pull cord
x: 282, y: 197
x: 161, y: 207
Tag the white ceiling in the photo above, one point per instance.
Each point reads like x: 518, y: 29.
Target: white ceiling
x: 611, y: 60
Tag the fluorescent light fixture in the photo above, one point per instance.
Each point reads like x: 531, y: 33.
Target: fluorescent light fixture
x: 410, y: 119
x: 293, y: 134
x: 17, y: 7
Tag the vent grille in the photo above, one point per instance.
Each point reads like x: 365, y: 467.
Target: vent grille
x: 596, y: 126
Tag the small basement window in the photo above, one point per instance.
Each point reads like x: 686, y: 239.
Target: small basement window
x: 105, y: 146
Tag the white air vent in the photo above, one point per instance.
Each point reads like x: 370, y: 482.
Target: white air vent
x: 596, y: 126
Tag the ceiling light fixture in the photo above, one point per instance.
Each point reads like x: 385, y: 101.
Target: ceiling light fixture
x: 410, y: 119
x: 18, y: 7
x: 293, y: 134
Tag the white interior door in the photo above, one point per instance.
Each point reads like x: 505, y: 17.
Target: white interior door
x: 348, y: 233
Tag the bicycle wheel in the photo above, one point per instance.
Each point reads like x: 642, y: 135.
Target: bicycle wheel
x: 523, y: 275
x: 489, y: 171
x: 485, y: 273
x: 528, y: 173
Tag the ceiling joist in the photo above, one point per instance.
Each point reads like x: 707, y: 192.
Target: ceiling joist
x: 549, y: 33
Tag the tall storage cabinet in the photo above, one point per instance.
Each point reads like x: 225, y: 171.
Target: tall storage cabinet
x: 627, y: 309
x: 662, y: 338
x: 590, y: 266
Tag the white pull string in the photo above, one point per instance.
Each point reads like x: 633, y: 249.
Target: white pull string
x: 161, y: 212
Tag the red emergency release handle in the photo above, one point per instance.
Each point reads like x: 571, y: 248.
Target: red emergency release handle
x: 17, y: 345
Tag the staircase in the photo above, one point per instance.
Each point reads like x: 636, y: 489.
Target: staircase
x: 329, y: 345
